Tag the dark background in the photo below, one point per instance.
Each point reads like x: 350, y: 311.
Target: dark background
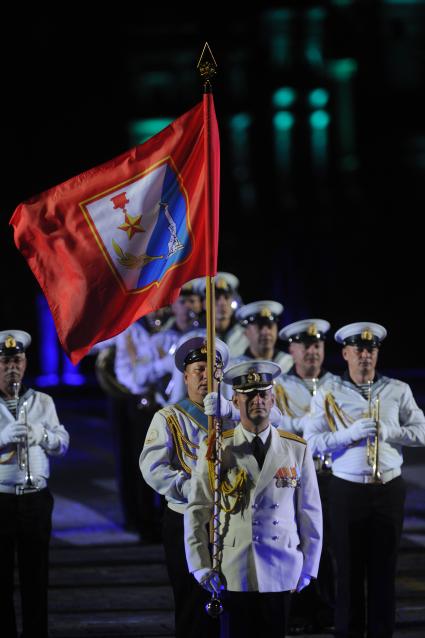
x: 338, y: 238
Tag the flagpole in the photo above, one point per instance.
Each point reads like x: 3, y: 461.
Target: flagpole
x: 207, y: 69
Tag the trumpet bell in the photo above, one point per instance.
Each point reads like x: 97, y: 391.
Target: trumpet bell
x: 214, y: 607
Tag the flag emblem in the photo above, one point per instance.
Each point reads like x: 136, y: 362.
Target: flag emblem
x: 142, y: 227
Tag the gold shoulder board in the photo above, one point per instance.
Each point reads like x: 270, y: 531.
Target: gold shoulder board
x: 289, y: 435
x: 228, y: 433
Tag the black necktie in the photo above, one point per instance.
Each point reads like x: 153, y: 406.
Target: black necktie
x: 258, y: 450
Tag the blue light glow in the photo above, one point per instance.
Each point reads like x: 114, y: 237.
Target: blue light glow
x: 48, y: 345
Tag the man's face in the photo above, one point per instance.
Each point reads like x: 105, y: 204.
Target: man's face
x: 223, y: 307
x: 186, y: 307
x: 308, y: 354
x: 262, y: 336
x: 254, y: 406
x: 360, y: 361
x: 12, y: 369
x: 195, y: 377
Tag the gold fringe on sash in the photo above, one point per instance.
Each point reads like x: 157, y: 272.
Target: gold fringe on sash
x: 227, y: 490
x: 181, y: 443
x: 282, y: 400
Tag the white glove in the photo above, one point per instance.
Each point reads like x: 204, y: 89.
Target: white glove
x: 361, y: 429
x: 12, y: 433
x: 211, y: 581
x: 35, y: 433
x: 211, y: 402
x: 303, y: 581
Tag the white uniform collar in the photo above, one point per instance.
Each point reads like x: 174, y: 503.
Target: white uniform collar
x: 264, y: 434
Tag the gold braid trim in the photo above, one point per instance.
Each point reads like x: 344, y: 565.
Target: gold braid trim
x: 9, y: 455
x: 227, y: 434
x: 282, y: 400
x: 227, y: 490
x: 290, y: 435
x: 181, y: 443
x: 331, y: 404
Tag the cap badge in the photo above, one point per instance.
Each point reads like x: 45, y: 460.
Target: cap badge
x: 10, y: 342
x: 222, y: 283
x: 265, y: 312
x: 312, y: 330
x: 204, y: 348
x: 253, y: 377
x: 366, y: 335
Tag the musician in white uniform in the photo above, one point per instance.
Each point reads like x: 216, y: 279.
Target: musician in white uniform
x: 364, y: 419
x: 227, y: 328
x: 30, y: 432
x: 313, y: 609
x: 227, y: 300
x: 270, y: 514
x: 259, y: 320
x: 144, y: 363
x: 294, y: 388
x: 166, y: 462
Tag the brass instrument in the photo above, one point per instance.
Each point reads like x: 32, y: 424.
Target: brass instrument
x: 322, y: 462
x: 19, y: 452
x: 16, y: 387
x: 372, y: 444
x: 23, y: 453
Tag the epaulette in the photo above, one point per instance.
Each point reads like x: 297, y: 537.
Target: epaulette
x: 289, y: 435
x: 228, y: 433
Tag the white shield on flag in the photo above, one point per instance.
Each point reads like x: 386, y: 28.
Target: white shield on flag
x: 141, y: 226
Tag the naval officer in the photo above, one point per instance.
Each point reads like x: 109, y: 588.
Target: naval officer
x: 270, y: 514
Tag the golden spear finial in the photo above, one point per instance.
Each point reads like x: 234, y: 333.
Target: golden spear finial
x: 207, y: 66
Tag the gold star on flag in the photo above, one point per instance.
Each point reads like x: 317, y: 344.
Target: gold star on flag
x: 131, y: 225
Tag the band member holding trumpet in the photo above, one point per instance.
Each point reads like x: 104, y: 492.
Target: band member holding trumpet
x: 313, y: 609
x: 270, y: 514
x: 29, y: 432
x: 364, y: 418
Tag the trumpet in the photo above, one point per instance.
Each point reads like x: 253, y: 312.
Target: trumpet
x: 372, y: 444
x: 322, y: 462
x: 23, y: 453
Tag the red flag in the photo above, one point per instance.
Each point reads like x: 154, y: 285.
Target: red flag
x: 118, y: 241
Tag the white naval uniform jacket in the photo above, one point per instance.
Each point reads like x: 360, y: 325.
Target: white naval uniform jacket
x: 293, y: 398
x: 277, y: 531
x: 403, y: 420
x: 40, y: 408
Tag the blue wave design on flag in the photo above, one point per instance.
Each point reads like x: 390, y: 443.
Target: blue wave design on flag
x: 159, y: 242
